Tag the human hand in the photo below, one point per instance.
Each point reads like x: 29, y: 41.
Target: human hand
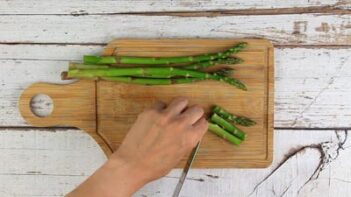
x: 161, y: 136
x: 155, y: 144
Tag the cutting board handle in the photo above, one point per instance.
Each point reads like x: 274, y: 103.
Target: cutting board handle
x: 74, y: 106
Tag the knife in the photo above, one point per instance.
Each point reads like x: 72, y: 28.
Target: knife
x: 185, y: 171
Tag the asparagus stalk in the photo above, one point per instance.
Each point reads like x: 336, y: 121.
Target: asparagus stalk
x: 214, y: 128
x: 151, y: 81
x: 73, y: 66
x: 156, y: 72
x: 201, y: 65
x: 228, y: 126
x: 165, y: 72
x: 224, y: 72
x: 195, y: 66
x: 162, y: 60
x: 240, y: 120
x: 77, y: 66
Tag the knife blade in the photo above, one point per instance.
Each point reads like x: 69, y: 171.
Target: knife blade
x: 185, y: 171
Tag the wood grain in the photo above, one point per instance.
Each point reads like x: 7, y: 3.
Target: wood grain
x: 74, y: 105
x: 312, y: 90
x: 51, y: 162
x: 303, y: 97
x: 119, y: 104
x: 46, y: 162
x: 301, y: 29
x: 124, y: 6
x: 288, y: 175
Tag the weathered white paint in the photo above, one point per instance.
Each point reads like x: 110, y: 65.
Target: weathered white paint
x: 52, y: 162
x: 124, y: 6
x: 300, y: 29
x: 311, y: 88
x: 16, y: 78
x: 45, y: 162
x: 47, y: 52
x: 290, y: 177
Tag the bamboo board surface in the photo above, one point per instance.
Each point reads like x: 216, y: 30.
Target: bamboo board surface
x: 117, y: 105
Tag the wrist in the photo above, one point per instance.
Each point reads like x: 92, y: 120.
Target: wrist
x: 129, y: 176
x: 115, y: 178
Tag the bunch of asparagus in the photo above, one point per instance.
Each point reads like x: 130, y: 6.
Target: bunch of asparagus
x: 221, y: 124
x: 159, y: 71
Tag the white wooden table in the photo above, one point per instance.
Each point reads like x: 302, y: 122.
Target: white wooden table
x: 312, y: 41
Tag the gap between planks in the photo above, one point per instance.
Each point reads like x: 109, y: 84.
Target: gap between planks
x: 214, y: 13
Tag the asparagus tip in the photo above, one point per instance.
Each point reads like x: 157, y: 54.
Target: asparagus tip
x: 239, y: 60
x: 244, y: 87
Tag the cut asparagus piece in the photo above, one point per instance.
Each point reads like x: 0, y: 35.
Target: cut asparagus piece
x: 214, y: 128
x: 228, y: 126
x: 88, y: 59
x: 201, y: 65
x: 156, y: 72
x: 240, y: 120
x: 151, y: 81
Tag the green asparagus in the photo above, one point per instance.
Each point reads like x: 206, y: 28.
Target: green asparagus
x: 240, y: 120
x: 201, y: 65
x: 157, y: 72
x: 162, y: 60
x: 223, y: 134
x: 228, y: 126
x: 73, y: 66
x: 165, y: 72
x: 151, y: 81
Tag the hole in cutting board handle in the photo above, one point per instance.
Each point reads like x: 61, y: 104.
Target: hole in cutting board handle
x: 41, y: 105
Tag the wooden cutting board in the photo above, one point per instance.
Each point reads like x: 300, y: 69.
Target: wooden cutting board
x: 106, y: 110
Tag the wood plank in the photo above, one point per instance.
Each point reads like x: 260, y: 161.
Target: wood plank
x: 46, y: 162
x: 303, y: 97
x: 312, y: 88
x: 302, y: 29
x: 50, y: 162
x: 29, y: 185
x: 124, y: 6
x: 47, y: 52
x: 53, y: 151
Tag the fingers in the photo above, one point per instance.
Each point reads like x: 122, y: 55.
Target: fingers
x: 198, y: 131
x: 201, y: 127
x: 193, y: 114
x: 177, y: 106
x: 159, y: 105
